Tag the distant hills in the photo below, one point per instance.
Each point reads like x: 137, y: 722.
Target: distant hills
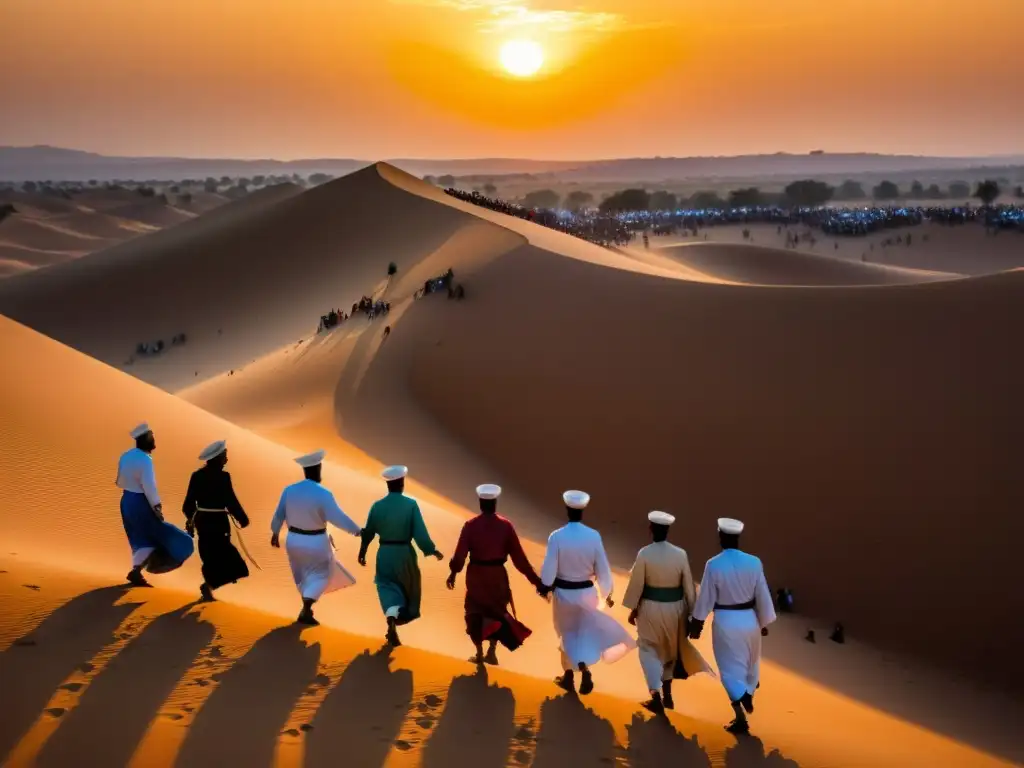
x: 41, y: 163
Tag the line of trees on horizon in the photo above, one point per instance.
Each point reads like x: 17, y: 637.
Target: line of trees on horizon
x: 802, y: 193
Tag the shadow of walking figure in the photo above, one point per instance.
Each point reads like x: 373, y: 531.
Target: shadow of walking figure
x: 654, y: 742
x: 45, y: 657
x: 572, y: 735
x: 476, y: 726
x: 239, y: 725
x: 129, y: 693
x: 361, y: 717
x: 749, y: 753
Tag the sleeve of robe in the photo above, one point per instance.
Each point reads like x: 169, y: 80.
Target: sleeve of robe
x: 688, y: 589
x: 706, y: 599
x: 458, y: 560
x: 277, y: 521
x: 635, y: 586
x: 419, y: 532
x: 336, y: 517
x: 763, y: 605
x: 603, y: 571
x: 518, y: 557
x: 549, y: 570
x: 149, y: 484
x: 188, y: 506
x: 234, y: 506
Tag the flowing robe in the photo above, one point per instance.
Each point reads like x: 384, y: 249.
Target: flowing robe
x: 488, y: 540
x: 734, y: 578
x: 309, y: 506
x: 575, y: 555
x: 211, y: 492
x: 397, y: 520
x: 661, y: 589
x: 155, y: 543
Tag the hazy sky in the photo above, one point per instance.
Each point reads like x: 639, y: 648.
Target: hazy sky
x: 378, y: 79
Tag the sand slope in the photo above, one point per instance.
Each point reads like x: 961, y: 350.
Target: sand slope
x: 199, y: 686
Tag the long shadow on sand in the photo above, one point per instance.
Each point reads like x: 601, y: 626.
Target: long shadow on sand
x: 34, y: 666
x: 476, y: 726
x: 126, y: 696
x: 749, y: 753
x: 361, y: 717
x: 654, y: 742
x: 570, y: 734
x: 242, y: 720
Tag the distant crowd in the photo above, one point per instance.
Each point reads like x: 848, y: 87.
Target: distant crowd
x: 365, y: 306
x: 620, y: 229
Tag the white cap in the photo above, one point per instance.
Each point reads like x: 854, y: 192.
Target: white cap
x: 213, y: 450
x: 660, y: 518
x: 396, y: 472
x: 311, y: 459
x: 488, y: 491
x: 140, y: 430
x: 728, y: 525
x: 576, y: 499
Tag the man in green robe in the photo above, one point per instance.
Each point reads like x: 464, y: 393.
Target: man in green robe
x: 396, y: 519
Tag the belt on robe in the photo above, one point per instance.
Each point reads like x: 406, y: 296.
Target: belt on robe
x: 499, y: 561
x: 238, y: 528
x: 566, y: 584
x: 304, y: 532
x: 396, y: 542
x: 663, y: 594
x: 747, y: 606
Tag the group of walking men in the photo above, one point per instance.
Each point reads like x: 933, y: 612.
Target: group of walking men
x: 660, y: 595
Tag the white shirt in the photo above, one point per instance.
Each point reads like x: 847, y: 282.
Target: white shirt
x: 733, y: 577
x: 576, y: 553
x: 309, y: 506
x: 135, y: 473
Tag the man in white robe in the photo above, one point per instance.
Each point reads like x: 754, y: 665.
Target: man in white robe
x: 307, y: 507
x: 735, y: 588
x: 660, y: 596
x: 575, y: 557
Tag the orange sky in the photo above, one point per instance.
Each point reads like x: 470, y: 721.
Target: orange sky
x: 418, y: 78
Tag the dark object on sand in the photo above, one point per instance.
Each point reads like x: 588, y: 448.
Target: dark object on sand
x: 810, y: 636
x: 838, y: 634
x: 387, y: 331
x: 784, y: 601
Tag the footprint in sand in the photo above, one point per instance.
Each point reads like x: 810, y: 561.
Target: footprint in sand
x: 215, y: 650
x: 322, y: 680
x: 433, y: 701
x: 73, y: 687
x: 403, y: 745
x: 56, y: 712
x: 202, y: 683
x: 3, y: 571
x: 31, y: 586
x: 425, y: 722
x: 173, y: 716
x: 306, y: 727
x: 521, y: 756
x: 189, y: 710
x: 290, y: 732
x: 86, y: 667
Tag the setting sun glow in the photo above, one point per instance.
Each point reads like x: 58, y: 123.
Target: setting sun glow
x: 521, y: 58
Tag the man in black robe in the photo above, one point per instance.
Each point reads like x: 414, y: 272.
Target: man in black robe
x: 209, y: 502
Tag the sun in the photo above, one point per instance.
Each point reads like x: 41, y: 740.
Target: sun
x: 521, y: 58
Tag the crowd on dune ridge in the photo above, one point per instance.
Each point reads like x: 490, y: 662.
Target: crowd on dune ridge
x: 620, y: 228
x: 664, y: 605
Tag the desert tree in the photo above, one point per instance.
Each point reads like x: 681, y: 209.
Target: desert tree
x: 578, y: 199
x: 850, y: 190
x: 635, y: 199
x: 934, y: 192
x: 987, y: 191
x: 663, y: 200
x: 30, y: 186
x: 541, y: 198
x: 706, y: 200
x: 886, y: 190
x: 917, y: 190
x: 447, y: 181
x: 808, y: 192
x: 1019, y: 192
x: 745, y: 198
x: 210, y: 186
x: 490, y: 190
x: 259, y: 180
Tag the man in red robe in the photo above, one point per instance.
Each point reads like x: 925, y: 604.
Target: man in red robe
x: 489, y: 540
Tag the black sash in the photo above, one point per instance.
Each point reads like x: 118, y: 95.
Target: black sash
x: 747, y: 606
x: 304, y: 532
x: 498, y: 562
x: 565, y: 584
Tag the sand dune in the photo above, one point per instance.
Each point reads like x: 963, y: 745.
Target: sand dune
x: 246, y: 684
x: 758, y: 265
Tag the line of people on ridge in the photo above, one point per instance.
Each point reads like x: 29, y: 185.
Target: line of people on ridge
x: 664, y: 605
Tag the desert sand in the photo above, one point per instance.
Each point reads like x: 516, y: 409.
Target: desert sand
x: 860, y: 418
